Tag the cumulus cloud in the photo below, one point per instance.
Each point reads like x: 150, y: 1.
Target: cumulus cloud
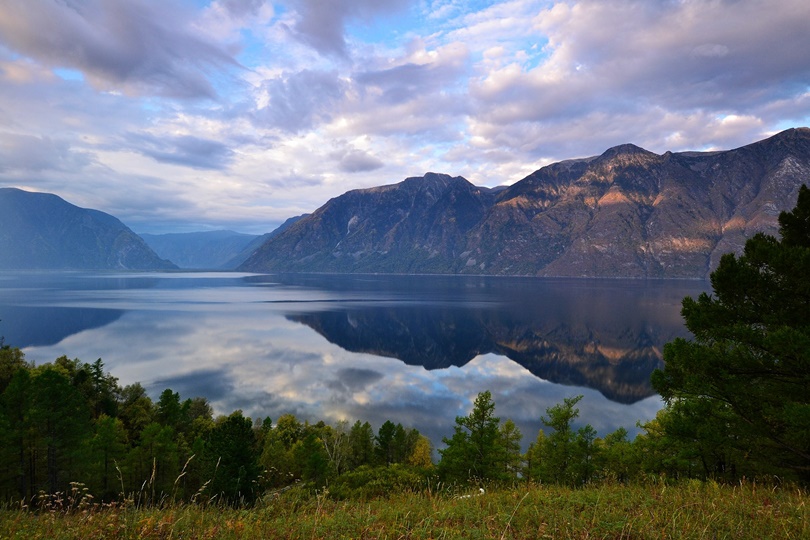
x: 300, y: 100
x: 26, y: 153
x: 135, y: 46
x: 427, y: 73
x: 646, y: 64
x: 321, y: 25
x: 243, y: 8
x: 185, y: 150
x: 352, y: 161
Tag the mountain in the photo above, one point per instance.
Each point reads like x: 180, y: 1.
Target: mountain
x: 210, y: 250
x: 200, y: 250
x: 43, y: 231
x: 414, y: 226
x: 257, y: 242
x: 626, y: 213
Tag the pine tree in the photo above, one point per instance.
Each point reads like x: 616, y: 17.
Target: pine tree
x: 748, y: 365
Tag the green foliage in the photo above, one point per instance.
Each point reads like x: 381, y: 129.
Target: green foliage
x: 477, y: 449
x: 565, y: 456
x: 361, y: 445
x: 737, y: 394
x: 108, y: 446
x: 11, y: 361
x: 60, y: 420
x: 231, y: 456
x: 367, y: 482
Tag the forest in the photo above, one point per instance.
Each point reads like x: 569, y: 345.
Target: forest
x: 737, y: 398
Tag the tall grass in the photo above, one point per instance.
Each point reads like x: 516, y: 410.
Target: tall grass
x: 691, y: 510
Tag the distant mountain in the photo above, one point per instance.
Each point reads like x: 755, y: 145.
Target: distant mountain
x: 43, y: 231
x: 257, y: 242
x: 626, y: 213
x: 212, y: 250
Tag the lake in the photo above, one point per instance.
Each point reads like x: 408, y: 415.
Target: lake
x: 410, y: 349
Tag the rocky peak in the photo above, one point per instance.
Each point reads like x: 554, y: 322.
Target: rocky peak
x: 625, y: 150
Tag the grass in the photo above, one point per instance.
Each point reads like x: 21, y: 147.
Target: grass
x: 688, y: 510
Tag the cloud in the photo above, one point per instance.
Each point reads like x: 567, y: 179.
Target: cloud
x: 213, y: 384
x: 321, y: 25
x: 631, y: 67
x: 347, y: 94
x: 243, y: 8
x: 429, y: 73
x: 352, y: 161
x: 184, y: 150
x: 25, y: 153
x: 135, y: 46
x: 300, y: 101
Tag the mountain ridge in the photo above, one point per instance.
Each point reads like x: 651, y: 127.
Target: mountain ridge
x: 43, y: 231
x: 627, y: 212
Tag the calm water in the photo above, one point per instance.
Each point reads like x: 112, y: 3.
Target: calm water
x: 415, y: 350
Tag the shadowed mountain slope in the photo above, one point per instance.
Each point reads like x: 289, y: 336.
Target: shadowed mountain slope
x: 43, y: 231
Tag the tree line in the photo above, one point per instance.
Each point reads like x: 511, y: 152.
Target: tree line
x: 737, y: 401
x: 69, y: 421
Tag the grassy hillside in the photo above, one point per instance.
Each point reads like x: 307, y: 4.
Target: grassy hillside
x: 691, y: 509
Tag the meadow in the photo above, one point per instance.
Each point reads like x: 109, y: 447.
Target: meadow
x: 689, y: 509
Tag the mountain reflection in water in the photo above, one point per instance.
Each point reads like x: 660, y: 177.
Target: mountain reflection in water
x: 609, y: 336
x: 410, y: 349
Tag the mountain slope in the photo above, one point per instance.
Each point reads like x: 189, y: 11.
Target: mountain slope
x: 257, y: 242
x: 413, y: 226
x: 43, y: 231
x: 626, y: 213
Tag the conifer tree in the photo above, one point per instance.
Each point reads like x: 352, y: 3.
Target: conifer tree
x: 748, y: 365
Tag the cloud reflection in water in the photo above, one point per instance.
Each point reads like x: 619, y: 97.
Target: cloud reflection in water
x: 248, y: 343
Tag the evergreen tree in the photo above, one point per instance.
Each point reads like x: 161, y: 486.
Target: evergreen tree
x: 558, y: 452
x: 510, y: 441
x: 109, y: 445
x: 476, y: 449
x: 361, y: 444
x: 748, y: 365
x: 61, y: 419
x: 232, y: 459
x: 11, y: 360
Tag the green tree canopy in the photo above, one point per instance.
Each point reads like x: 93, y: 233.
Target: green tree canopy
x: 476, y: 449
x: 749, y: 361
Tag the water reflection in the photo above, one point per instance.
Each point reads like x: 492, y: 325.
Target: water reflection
x: 414, y: 350
x: 22, y: 325
x: 604, y: 335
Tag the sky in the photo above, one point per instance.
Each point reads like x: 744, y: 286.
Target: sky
x: 194, y: 115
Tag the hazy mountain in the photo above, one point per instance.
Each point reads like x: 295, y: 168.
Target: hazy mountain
x: 210, y: 250
x: 200, y: 250
x: 257, y: 242
x: 626, y: 213
x: 43, y: 231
